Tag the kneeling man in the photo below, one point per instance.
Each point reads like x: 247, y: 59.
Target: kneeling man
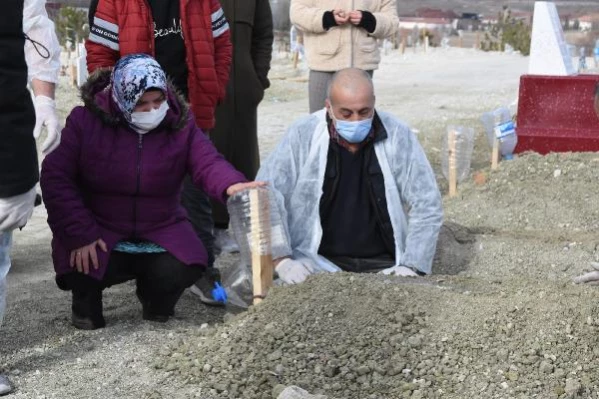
x: 354, y: 189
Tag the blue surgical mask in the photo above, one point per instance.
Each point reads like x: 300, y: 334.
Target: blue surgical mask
x: 353, y: 131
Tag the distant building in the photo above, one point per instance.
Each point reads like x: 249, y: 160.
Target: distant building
x: 430, y: 19
x: 470, y: 15
x: 489, y: 20
x: 587, y: 22
x: 435, y: 13
x: 524, y: 16
x: 425, y: 23
x: 568, y: 21
x: 469, y: 22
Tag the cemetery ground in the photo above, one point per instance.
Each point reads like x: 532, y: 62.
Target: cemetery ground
x: 499, y: 318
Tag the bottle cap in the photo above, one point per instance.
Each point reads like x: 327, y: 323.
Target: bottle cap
x: 219, y: 294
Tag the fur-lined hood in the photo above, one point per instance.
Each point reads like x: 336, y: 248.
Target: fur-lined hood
x: 96, y: 96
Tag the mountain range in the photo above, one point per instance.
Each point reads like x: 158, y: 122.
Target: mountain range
x: 486, y: 7
x: 490, y: 7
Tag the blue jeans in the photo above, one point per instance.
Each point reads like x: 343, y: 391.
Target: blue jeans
x: 5, y: 244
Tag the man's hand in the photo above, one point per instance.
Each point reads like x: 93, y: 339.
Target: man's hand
x: 590, y: 278
x: 355, y: 17
x: 16, y: 211
x: 401, y: 271
x: 292, y: 271
x: 81, y: 257
x: 235, y: 188
x: 341, y: 17
x: 45, y: 115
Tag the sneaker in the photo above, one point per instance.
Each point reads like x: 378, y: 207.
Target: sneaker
x: 224, y: 243
x: 204, y: 286
x: 6, y: 386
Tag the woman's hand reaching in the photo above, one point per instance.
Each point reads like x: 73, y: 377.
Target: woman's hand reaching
x: 235, y: 188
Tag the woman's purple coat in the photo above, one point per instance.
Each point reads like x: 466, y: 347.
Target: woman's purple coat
x: 107, y: 181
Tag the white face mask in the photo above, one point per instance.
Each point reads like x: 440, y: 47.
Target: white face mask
x: 143, y: 122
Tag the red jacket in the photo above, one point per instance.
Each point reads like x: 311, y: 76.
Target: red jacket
x: 120, y: 27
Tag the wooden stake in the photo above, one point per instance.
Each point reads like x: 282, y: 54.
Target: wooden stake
x: 495, y: 154
x: 477, y: 40
x: 403, y: 45
x: 73, y: 74
x: 453, y: 180
x: 300, y: 42
x: 461, y: 42
x: 262, y: 268
x: 426, y: 43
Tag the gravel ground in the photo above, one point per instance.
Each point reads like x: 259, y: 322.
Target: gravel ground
x: 375, y: 337
x: 500, y: 317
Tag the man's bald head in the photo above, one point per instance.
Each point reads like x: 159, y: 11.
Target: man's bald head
x: 352, y: 80
x: 350, y: 95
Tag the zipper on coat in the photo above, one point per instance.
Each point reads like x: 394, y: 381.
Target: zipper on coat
x: 137, y: 183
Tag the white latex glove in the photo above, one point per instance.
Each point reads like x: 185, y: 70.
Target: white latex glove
x: 591, y: 278
x: 16, y: 211
x: 293, y: 271
x: 399, y: 271
x: 45, y: 115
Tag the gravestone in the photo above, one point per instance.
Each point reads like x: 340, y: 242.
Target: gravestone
x: 549, y: 53
x: 81, y: 65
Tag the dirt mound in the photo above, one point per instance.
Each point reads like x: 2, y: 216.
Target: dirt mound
x: 532, y: 193
x: 369, y: 336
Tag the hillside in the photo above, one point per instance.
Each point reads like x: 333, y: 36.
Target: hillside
x: 492, y: 6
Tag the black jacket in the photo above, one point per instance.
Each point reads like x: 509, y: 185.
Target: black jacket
x: 236, y: 132
x: 19, y: 170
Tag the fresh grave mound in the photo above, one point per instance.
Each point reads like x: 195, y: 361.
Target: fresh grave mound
x: 532, y: 192
x: 371, y: 336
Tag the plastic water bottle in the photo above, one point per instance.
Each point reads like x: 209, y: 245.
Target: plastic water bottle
x: 582, y: 60
x: 499, y: 125
x: 464, y: 145
x: 506, y: 133
x: 273, y: 238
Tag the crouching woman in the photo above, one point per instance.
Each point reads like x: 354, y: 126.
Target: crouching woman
x: 112, y: 192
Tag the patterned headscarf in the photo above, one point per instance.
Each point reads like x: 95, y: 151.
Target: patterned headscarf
x: 131, y: 77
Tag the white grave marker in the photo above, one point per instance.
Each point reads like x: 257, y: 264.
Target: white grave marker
x: 549, y: 53
x: 81, y: 65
